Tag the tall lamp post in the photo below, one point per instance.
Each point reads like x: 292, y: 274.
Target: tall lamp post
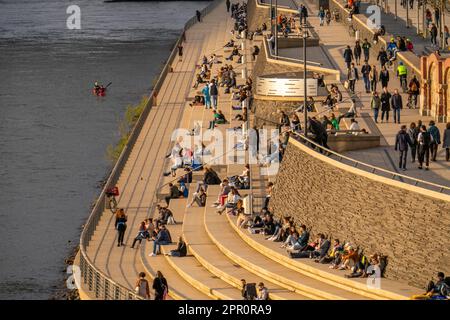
x: 271, y: 17
x: 276, y: 28
x: 305, y: 35
x: 407, y: 15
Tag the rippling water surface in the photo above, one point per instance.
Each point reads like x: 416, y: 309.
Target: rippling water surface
x: 53, y: 132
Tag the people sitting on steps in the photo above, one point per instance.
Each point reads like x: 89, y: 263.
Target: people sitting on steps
x: 181, y: 250
x: 436, y: 290
x: 162, y: 238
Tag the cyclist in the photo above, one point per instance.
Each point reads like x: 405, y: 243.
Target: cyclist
x: 402, y: 73
x: 414, y: 90
x: 392, y: 47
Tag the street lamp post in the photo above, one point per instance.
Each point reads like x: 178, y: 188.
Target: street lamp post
x: 441, y: 23
x: 276, y: 28
x: 395, y: 8
x: 305, y: 109
x: 271, y: 17
x: 407, y: 15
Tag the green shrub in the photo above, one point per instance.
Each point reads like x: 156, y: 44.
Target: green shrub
x: 132, y: 114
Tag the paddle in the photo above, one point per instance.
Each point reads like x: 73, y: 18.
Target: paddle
x: 108, y: 85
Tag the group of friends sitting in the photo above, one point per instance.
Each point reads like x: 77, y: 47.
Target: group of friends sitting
x: 299, y: 245
x: 285, y: 25
x: 239, y: 14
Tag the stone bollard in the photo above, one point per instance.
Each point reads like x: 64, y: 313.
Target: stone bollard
x: 244, y: 73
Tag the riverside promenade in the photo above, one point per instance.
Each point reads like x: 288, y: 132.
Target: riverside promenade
x: 220, y: 253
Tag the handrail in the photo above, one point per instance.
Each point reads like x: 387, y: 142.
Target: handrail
x: 98, y: 282
x: 373, y: 169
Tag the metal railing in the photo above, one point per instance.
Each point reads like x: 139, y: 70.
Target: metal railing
x: 370, y: 168
x: 98, y: 283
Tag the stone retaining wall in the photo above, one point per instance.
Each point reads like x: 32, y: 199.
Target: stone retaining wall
x: 411, y: 228
x: 257, y: 16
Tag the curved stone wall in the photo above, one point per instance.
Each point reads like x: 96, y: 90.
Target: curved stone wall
x: 410, y: 225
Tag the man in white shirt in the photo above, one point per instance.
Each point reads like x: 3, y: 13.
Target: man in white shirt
x: 263, y: 292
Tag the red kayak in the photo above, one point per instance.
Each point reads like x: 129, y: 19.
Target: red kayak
x: 101, y: 92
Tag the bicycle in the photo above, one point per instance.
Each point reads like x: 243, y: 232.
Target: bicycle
x: 403, y: 83
x: 351, y: 30
x: 111, y: 194
x: 412, y: 101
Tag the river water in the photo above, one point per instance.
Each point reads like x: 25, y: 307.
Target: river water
x: 54, y: 133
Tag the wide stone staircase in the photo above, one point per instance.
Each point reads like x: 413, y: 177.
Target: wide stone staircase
x: 220, y: 254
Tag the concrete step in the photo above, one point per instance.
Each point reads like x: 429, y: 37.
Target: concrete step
x: 320, y: 272
x: 188, y: 267
x: 207, y: 253
x: 223, y: 235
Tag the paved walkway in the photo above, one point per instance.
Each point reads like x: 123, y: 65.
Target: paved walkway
x: 140, y: 180
x: 413, y: 15
x: 398, y: 26
x: 385, y: 156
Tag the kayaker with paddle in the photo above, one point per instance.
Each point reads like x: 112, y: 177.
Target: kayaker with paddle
x: 100, y: 90
x: 96, y: 88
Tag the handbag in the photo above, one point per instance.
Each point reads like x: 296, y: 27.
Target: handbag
x: 346, y: 84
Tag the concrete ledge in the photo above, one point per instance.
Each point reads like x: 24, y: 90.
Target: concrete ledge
x: 372, y: 176
x: 347, y: 142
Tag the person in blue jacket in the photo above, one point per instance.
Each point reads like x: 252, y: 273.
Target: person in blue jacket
x: 207, y: 96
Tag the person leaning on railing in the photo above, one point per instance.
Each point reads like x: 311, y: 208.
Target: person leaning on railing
x: 320, y: 135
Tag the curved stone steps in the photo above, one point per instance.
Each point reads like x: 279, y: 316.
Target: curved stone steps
x: 207, y: 253
x: 179, y: 288
x: 188, y: 267
x: 193, y: 272
x: 226, y: 239
x: 320, y: 272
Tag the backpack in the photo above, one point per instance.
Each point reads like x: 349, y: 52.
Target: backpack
x: 383, y: 264
x: 447, y: 281
x: 213, y: 90
x: 426, y: 138
x: 171, y: 220
x: 203, y: 200
x: 185, y: 192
